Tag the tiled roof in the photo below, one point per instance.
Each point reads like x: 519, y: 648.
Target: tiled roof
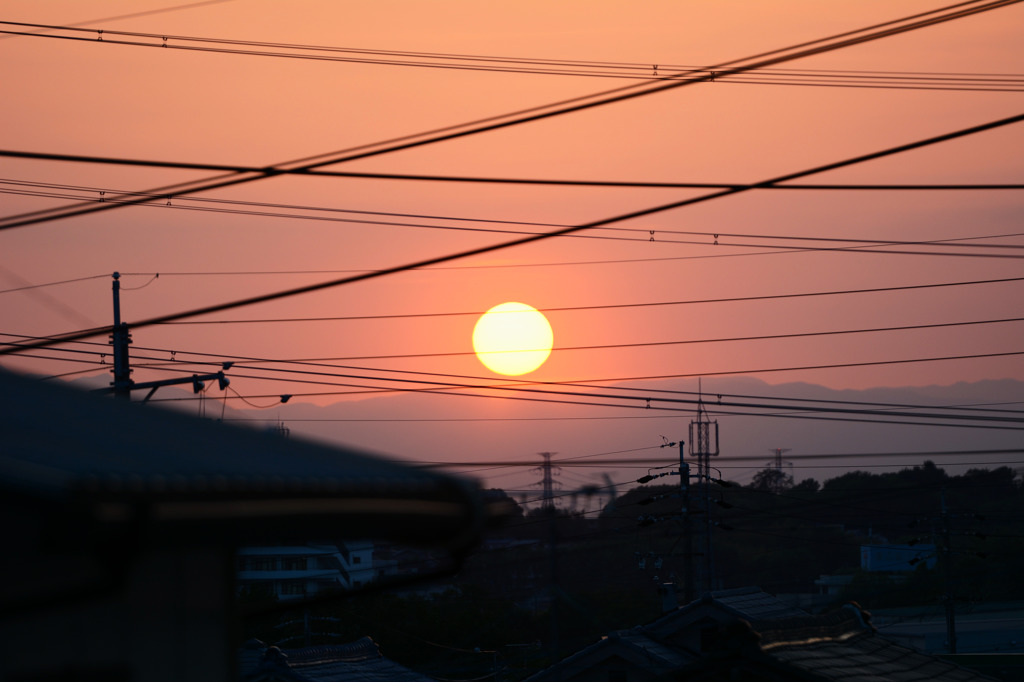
x: 752, y: 635
x: 356, y: 661
x: 866, y: 657
x: 753, y: 603
x: 657, y: 652
x: 748, y: 603
x: 631, y: 645
x: 841, y: 646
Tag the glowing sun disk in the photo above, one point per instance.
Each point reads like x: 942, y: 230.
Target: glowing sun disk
x: 512, y: 339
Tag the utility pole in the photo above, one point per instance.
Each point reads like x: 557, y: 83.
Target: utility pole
x: 944, y: 554
x: 947, y: 578
x: 684, y: 492
x: 122, y: 385
x: 120, y: 338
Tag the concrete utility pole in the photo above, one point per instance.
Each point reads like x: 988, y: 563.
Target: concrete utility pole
x: 120, y: 338
x: 122, y: 385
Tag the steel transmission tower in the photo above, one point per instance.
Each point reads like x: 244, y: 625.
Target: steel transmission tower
x: 778, y: 461
x: 703, y: 446
x: 548, y: 482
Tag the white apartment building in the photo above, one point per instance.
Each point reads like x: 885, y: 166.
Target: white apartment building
x: 296, y: 571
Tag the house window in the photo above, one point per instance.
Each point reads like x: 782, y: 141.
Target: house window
x: 356, y: 559
x: 292, y: 588
x: 293, y: 564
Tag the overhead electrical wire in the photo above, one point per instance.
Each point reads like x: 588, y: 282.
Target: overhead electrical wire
x: 633, y: 401
x: 74, y: 336
x: 656, y: 85
x: 702, y: 398
x: 575, y: 398
x: 652, y: 344
x: 724, y: 462
x: 179, y: 366
x: 997, y: 82
x: 761, y: 337
x: 647, y: 234
x: 721, y: 408
x: 627, y: 184
x: 864, y: 246
x: 323, y: 362
x: 51, y: 284
x: 576, y: 107
x: 613, y: 306
x: 130, y: 15
x: 587, y: 460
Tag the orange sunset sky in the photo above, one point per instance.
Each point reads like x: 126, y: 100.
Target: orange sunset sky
x: 389, y: 69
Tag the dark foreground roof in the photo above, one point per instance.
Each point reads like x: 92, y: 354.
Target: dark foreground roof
x: 753, y: 603
x: 841, y: 645
x: 356, y: 661
x: 107, y: 462
x: 746, y: 634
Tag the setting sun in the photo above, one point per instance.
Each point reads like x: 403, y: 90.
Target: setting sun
x: 512, y: 339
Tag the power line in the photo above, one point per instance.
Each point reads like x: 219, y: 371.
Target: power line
x: 533, y: 238
x: 758, y: 61
x: 531, y: 65
x: 633, y: 401
x: 890, y: 409
x: 218, y: 359
x: 626, y: 184
x: 51, y: 284
x: 117, y: 17
x: 651, y: 344
x: 610, y: 306
x: 775, y: 248
x: 548, y: 309
x: 577, y: 398
x: 584, y: 460
x: 707, y: 398
x: 647, y: 235
x: 791, y: 411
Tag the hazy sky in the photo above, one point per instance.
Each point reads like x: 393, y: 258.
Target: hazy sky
x: 86, y: 96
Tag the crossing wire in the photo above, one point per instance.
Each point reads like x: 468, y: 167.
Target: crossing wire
x: 758, y: 61
x: 287, y: 293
